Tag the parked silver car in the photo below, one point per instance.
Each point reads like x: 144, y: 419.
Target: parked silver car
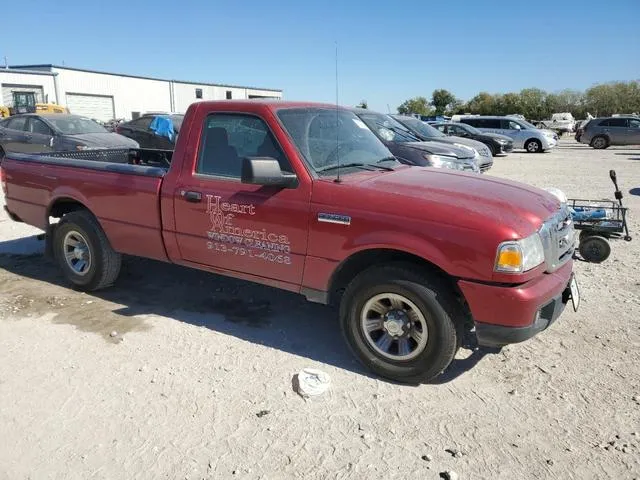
x: 604, y: 132
x: 525, y: 135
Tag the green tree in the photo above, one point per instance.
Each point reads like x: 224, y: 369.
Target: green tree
x: 441, y: 99
x: 482, y: 104
x: 532, y: 104
x: 419, y: 105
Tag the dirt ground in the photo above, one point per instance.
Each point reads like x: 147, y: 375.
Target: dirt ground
x: 196, y: 384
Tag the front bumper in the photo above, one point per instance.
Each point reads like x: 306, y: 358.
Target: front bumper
x: 512, y: 314
x: 506, y: 148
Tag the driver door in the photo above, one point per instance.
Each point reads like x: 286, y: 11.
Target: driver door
x: 633, y: 132
x: 39, y: 137
x: 225, y: 224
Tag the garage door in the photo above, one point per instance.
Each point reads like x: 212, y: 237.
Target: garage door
x: 93, y: 106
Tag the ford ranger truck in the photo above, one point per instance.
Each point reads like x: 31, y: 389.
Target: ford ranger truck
x: 305, y: 198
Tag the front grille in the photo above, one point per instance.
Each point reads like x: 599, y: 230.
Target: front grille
x: 558, y: 238
x: 486, y: 166
x: 507, y: 147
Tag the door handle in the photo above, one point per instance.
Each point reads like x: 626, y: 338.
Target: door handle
x: 193, y: 197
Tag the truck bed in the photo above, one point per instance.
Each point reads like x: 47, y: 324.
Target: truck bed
x: 123, y: 195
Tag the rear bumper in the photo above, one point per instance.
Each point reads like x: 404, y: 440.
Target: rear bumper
x: 512, y: 314
x: 12, y: 216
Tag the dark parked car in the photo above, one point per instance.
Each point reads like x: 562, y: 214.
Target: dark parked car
x: 31, y: 133
x: 140, y: 131
x: 496, y: 142
x: 604, y: 132
x: 427, y: 133
x: 410, y: 150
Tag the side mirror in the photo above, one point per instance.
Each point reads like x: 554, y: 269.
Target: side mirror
x: 266, y: 171
x: 612, y: 175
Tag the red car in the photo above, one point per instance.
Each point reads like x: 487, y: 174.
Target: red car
x: 305, y: 198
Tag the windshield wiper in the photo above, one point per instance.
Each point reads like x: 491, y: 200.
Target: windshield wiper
x: 365, y: 166
x: 386, y: 159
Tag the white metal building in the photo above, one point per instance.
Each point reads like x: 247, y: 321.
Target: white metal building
x: 105, y: 96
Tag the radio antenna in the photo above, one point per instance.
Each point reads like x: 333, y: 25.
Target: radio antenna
x: 337, y: 180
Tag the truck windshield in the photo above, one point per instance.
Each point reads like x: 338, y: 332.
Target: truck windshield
x: 388, y: 128
x: 72, y: 125
x: 326, y: 137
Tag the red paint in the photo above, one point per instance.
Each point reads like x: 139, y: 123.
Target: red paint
x: 450, y: 219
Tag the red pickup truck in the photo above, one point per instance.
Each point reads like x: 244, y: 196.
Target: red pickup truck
x: 305, y: 198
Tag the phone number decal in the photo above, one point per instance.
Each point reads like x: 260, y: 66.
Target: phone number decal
x: 248, y: 252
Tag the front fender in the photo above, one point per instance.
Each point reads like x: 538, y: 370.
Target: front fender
x: 392, y: 240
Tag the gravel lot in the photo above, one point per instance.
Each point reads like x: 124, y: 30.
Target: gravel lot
x: 197, y: 382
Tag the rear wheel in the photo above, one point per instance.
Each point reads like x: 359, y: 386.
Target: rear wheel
x: 595, y: 249
x: 533, y: 145
x: 401, y: 322
x: 83, y: 252
x: 599, y: 142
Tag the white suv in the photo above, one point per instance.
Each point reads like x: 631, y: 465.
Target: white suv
x: 525, y: 135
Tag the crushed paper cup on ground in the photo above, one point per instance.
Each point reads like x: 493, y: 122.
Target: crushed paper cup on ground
x: 310, y: 382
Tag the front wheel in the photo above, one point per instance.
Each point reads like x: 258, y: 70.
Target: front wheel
x: 533, y: 146
x: 400, y: 322
x: 599, y: 142
x: 595, y: 249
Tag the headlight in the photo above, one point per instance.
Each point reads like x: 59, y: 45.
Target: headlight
x: 441, y: 161
x: 559, y: 194
x: 517, y: 256
x: 502, y: 141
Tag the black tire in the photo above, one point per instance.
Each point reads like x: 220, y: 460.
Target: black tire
x: 435, y: 300
x: 584, y: 234
x: 599, y: 142
x: 104, y: 262
x: 595, y: 249
x: 533, y: 145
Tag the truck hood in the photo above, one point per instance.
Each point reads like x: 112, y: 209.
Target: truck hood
x: 442, y: 148
x: 485, y: 199
x: 107, y: 139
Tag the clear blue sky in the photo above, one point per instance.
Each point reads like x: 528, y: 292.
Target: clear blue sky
x: 388, y: 51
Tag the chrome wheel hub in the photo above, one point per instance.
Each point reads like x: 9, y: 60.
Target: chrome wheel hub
x: 394, y: 327
x: 76, y: 252
x: 396, y: 323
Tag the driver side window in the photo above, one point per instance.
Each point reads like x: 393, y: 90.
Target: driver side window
x: 38, y: 126
x: 228, y: 138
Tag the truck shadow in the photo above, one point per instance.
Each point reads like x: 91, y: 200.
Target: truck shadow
x: 251, y: 312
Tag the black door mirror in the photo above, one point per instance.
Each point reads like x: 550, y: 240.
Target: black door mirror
x: 266, y: 171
